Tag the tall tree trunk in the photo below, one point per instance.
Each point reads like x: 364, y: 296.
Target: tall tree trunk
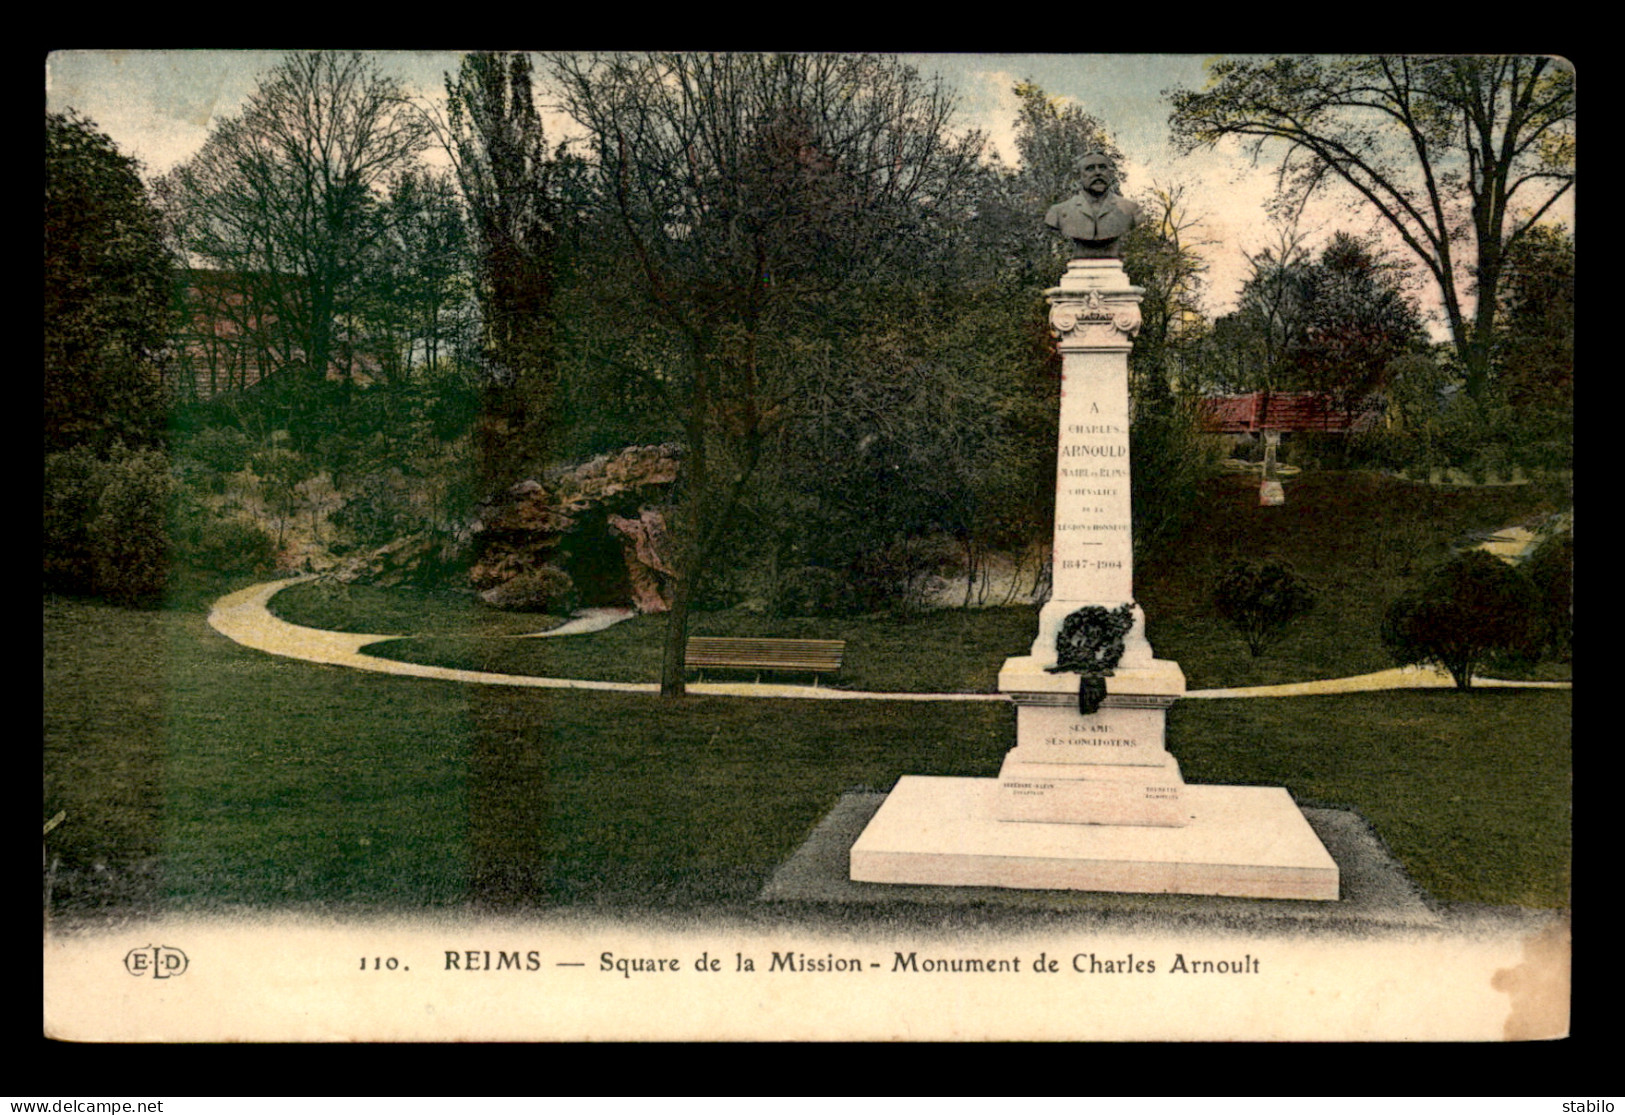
x: 673, y: 680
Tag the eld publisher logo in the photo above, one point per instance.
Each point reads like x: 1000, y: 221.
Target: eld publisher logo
x: 157, y: 961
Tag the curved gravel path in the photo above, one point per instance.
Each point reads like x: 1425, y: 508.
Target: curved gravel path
x: 243, y: 617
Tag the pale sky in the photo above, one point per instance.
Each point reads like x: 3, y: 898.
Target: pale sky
x: 158, y: 106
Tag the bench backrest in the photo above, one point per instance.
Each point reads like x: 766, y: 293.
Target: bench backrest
x: 801, y: 654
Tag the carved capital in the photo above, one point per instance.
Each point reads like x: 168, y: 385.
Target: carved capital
x: 1093, y: 319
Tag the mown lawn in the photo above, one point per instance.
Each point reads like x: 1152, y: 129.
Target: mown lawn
x: 952, y: 651
x: 196, y: 773
x: 1471, y: 791
x: 199, y: 774
x: 193, y: 771
x: 1360, y: 539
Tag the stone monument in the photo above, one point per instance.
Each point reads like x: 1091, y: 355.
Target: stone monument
x: 1089, y: 798
x: 1270, y: 492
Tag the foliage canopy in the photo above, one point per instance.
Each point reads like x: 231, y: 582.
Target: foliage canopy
x: 106, y: 312
x: 1434, y: 145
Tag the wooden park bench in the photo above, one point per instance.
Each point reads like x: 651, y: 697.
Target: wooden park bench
x: 815, y: 656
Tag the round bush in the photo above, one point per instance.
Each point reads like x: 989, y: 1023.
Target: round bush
x: 1471, y: 607
x: 1259, y: 600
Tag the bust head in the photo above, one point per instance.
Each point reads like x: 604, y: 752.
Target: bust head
x: 1096, y: 219
x: 1099, y: 176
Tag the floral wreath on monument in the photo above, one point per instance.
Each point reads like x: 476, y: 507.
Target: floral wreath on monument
x: 1090, y: 644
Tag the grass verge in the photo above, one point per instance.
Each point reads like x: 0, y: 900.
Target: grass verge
x: 198, y: 774
x: 1471, y: 791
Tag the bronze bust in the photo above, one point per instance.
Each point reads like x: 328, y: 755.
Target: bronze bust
x: 1097, y: 218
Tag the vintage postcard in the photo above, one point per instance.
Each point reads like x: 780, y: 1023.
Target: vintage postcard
x: 807, y: 547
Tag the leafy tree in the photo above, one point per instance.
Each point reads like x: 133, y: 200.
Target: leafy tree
x: 1356, y: 321
x: 1051, y: 137
x: 1435, y: 145
x: 1551, y: 570
x: 287, y: 202
x: 106, y: 293
x: 1004, y: 237
x: 938, y: 426
x: 1333, y: 323
x: 1468, y: 608
x: 1415, y: 414
x: 1170, y: 454
x: 516, y: 191
x: 1535, y: 349
x: 748, y: 195
x: 1260, y: 599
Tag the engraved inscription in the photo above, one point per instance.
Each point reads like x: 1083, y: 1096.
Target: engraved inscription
x: 1083, y: 733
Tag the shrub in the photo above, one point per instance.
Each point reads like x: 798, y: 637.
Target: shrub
x: 230, y: 546
x: 1471, y: 607
x: 222, y: 448
x: 74, y: 480
x: 106, y: 523
x: 280, y: 471
x: 130, y: 533
x: 379, y: 509
x: 809, y: 590
x: 1259, y: 600
x: 1550, y: 570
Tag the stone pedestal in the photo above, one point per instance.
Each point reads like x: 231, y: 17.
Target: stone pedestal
x: 1112, y: 766
x: 1094, y: 801
x: 1108, y: 767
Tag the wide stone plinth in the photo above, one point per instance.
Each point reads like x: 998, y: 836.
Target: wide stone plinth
x: 1107, y: 767
x: 1241, y: 841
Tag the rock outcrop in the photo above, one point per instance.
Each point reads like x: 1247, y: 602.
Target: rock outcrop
x: 645, y: 544
x: 592, y: 534
x: 396, y: 563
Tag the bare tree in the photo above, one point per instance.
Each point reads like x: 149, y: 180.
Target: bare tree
x: 1272, y: 304
x: 1461, y: 156
x: 748, y: 192
x: 284, y: 200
